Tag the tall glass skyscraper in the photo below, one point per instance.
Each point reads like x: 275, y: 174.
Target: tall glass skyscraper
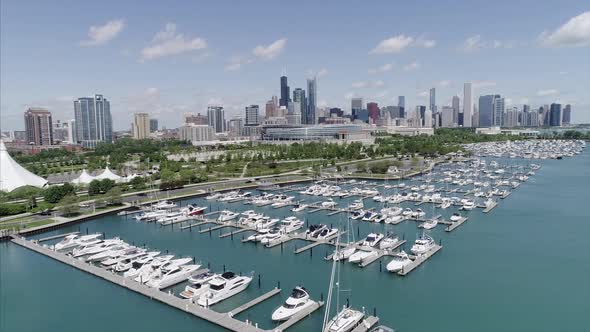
x: 216, y: 118
x: 285, y: 98
x: 486, y: 111
x: 311, y: 101
x: 93, y: 121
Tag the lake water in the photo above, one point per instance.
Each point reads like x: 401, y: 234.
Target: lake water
x: 523, y: 267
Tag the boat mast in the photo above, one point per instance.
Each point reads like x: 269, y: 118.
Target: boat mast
x: 329, y: 298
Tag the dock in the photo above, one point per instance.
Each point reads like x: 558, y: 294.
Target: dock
x: 298, y: 317
x: 195, y: 224
x: 456, y: 224
x: 382, y: 253
x: 254, y: 302
x: 232, y: 233
x: 366, y: 324
x: 59, y: 236
x: 419, y: 260
x: 490, y: 207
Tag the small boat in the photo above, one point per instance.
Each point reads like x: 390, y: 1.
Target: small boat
x: 429, y: 224
x: 455, y: 217
x: 192, y: 210
x: 468, y: 205
x: 345, y: 320
x: 356, y: 205
x: 222, y: 287
x: 372, y: 240
x: 389, y: 241
x: 329, y: 204
x: 446, y: 203
x: 298, y: 300
x: 357, y: 214
x: 213, y: 196
x: 173, y: 276
x: 326, y: 233
x: 423, y: 244
x: 370, y: 216
x: 227, y: 215
x: 398, y: 262
x: 361, y: 255
x: 418, y: 214
x: 73, y: 240
x: 164, y: 205
x: 393, y: 219
x: 299, y: 207
x: 343, y: 253
x: 291, y: 224
x: 407, y: 212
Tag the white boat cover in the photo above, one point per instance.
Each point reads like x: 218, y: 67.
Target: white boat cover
x: 13, y: 175
x: 108, y: 174
x: 84, y: 178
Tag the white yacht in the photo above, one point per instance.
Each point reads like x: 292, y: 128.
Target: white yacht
x: 393, y: 219
x: 298, y: 300
x: 423, y: 244
x: 468, y: 205
x: 418, y: 214
x: 164, y: 205
x: 73, y: 240
x: 345, y: 320
x: 222, y: 287
x: 372, y: 240
x: 370, y: 216
x: 446, y: 203
x: 129, y: 253
x: 191, y: 210
x: 429, y: 224
x: 173, y: 276
x: 398, y: 262
x: 357, y: 214
x: 389, y: 241
x: 107, y: 253
x: 273, y: 234
x: 455, y: 217
x: 344, y: 253
x: 391, y: 211
x: 161, y: 260
x: 326, y: 233
x: 291, y: 224
x: 227, y: 215
x: 329, y: 204
x: 198, y: 285
x: 150, y: 215
x: 361, y: 255
x: 213, y: 196
x: 172, y: 218
x: 356, y: 205
x: 299, y: 207
x: 95, y: 248
x: 407, y: 212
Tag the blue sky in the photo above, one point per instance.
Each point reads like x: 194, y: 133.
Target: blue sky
x: 177, y: 57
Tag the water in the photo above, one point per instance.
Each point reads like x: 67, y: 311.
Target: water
x: 522, y: 267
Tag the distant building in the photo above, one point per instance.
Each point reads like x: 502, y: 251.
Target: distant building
x: 432, y: 100
x: 93, y: 121
x: 197, y: 133
x: 447, y: 120
x: 252, y: 115
x: 61, y: 132
x: 401, y: 103
x: 216, y: 118
x: 486, y: 111
x: 499, y: 108
x: 566, y: 119
x: 317, y: 132
x: 197, y: 119
x: 310, y: 111
x: 456, y: 110
x: 38, y: 126
x: 467, y: 105
x: 285, y: 97
x: 153, y: 125
x: 373, y: 109
x: 555, y: 115
x: 141, y: 125
x: 235, y: 127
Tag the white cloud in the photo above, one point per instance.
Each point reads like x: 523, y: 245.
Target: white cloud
x: 483, y: 84
x: 425, y: 43
x: 444, y: 83
x: 236, y: 63
x: 563, y: 72
x: 398, y: 43
x: 476, y: 42
x: 412, y: 66
x: 423, y: 94
x: 98, y: 35
x: 168, y: 42
x: 323, y: 72
x: 547, y: 92
x: 384, y: 68
x: 271, y: 51
x: 364, y: 84
x: 508, y: 101
x: 320, y: 73
x: 574, y: 33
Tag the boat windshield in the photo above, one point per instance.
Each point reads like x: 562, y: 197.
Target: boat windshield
x: 298, y: 293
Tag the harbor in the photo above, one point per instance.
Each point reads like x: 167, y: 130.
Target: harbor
x: 223, y: 245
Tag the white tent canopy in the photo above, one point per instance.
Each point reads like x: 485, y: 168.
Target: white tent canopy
x: 84, y: 178
x: 13, y: 175
x: 108, y: 174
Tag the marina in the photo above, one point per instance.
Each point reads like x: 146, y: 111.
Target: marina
x: 216, y: 243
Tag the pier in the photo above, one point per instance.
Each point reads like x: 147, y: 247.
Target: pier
x: 59, y: 236
x: 456, y: 224
x: 254, y: 302
x: 419, y: 260
x: 298, y: 317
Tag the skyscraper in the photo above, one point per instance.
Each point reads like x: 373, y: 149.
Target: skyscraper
x: 216, y: 118
x: 401, y: 103
x: 433, y: 99
x: 486, y: 111
x: 555, y: 115
x: 356, y: 104
x: 153, y: 125
x: 272, y: 108
x: 455, y: 105
x: 499, y: 107
x: 285, y: 98
x: 310, y: 114
x: 567, y: 115
x: 373, y: 109
x: 38, y: 126
x: 299, y: 103
x: 252, y: 115
x: 141, y: 125
x: 93, y: 121
x: 447, y: 117
x: 467, y: 105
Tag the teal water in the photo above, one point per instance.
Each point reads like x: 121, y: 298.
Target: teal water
x: 523, y: 267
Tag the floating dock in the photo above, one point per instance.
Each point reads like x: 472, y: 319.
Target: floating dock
x: 456, y: 224
x: 254, y: 302
x: 419, y: 260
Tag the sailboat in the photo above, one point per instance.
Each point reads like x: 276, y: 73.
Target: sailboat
x: 344, y: 253
x: 347, y: 318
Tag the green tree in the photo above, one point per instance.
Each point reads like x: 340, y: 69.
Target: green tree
x: 69, y: 205
x: 54, y: 194
x: 137, y: 183
x: 114, y: 197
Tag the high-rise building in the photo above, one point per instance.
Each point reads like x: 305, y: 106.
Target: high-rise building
x: 485, y: 110
x: 93, y: 121
x: 272, y: 108
x: 555, y: 115
x: 285, y: 95
x: 252, y: 118
x: 197, y: 133
x: 447, y: 117
x: 196, y: 119
x: 153, y: 125
x: 433, y: 99
x: 401, y: 102
x: 499, y: 107
x: 38, y: 126
x: 566, y: 119
x: 456, y: 108
x: 373, y: 109
x: 71, y: 131
x: 141, y: 125
x: 356, y: 104
x: 216, y: 118
x: 310, y: 112
x: 467, y: 105
x: 299, y: 104
x: 235, y: 127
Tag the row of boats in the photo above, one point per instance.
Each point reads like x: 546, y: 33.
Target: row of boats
x: 528, y: 149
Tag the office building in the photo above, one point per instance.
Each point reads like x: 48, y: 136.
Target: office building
x: 498, y: 110
x: 93, y: 121
x: 235, y: 127
x: 456, y: 107
x: 486, y: 111
x: 310, y: 112
x: 401, y: 103
x: 285, y: 94
x: 566, y: 119
x: 252, y: 115
x: 467, y: 105
x: 432, y: 100
x: 196, y: 119
x: 153, y: 125
x: 141, y: 125
x: 38, y: 126
x: 373, y: 110
x: 447, y: 117
x: 216, y: 118
x: 555, y: 115
x: 197, y: 133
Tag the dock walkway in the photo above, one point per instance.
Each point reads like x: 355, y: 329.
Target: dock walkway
x: 419, y: 260
x: 254, y: 302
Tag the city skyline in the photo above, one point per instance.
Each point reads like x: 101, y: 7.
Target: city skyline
x: 159, y: 61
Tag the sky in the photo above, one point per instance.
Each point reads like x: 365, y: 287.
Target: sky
x: 169, y: 58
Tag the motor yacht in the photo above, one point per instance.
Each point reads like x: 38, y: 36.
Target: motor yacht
x: 256, y: 237
x: 418, y: 214
x: 399, y: 261
x: 164, y: 205
x: 329, y: 204
x: 174, y: 263
x: 173, y: 276
x: 393, y: 219
x: 201, y: 277
x: 407, y: 212
x: 344, y: 253
x: 357, y: 214
x: 446, y: 203
x: 298, y: 300
x: 161, y: 260
x: 107, y: 253
x: 361, y: 255
x: 73, y: 240
x: 370, y: 216
x: 222, y: 287
x: 299, y: 207
x: 356, y: 205
x: 227, y: 215
x: 391, y: 211
x: 455, y: 217
x: 372, y: 240
x: 389, y: 241
x: 291, y: 224
x: 423, y: 244
x: 273, y: 234
x: 191, y: 210
x: 213, y: 196
x: 429, y: 224
x: 92, y: 249
x: 129, y: 253
x: 468, y: 205
x: 172, y: 218
x: 151, y: 215
x: 345, y: 320
x: 135, y: 263
x: 326, y: 233
x: 313, y: 230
